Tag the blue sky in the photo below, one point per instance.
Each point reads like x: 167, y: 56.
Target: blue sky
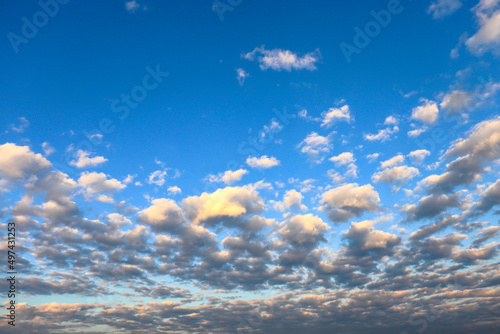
x: 203, y: 163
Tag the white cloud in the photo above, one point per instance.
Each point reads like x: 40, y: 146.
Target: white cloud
x: 47, y: 148
x: 158, y: 177
x: 382, y: 135
x: 391, y: 120
x: 419, y: 155
x: 129, y: 179
x: 263, y: 162
x: 488, y: 35
x: 443, y: 8
x: 346, y: 158
x: 278, y: 59
x: 334, y: 114
x: 226, y: 202
x: 396, y: 160
x: 174, y: 190
x: 315, y: 146
x: 456, y: 101
x: 335, y: 176
x: 417, y: 132
x: 163, y: 215
x: 17, y: 162
x: 483, y: 141
x: 427, y: 112
x: 372, y: 157
x: 228, y: 177
x: 98, y: 182
x: 343, y: 159
x: 82, y: 160
x: 303, y: 229
x: 241, y: 75
x: 396, y: 175
x: 293, y: 200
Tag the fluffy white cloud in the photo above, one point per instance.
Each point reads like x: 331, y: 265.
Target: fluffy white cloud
x: 226, y: 202
x: 47, y: 148
x: 456, y: 101
x: 303, y: 229
x: 83, y: 160
x: 18, y: 162
x: 427, y: 112
x: 396, y: 160
x: 346, y: 158
x: 419, y: 155
x: 158, y: 177
x: 349, y: 200
x: 228, y: 177
x: 315, y: 146
x: 278, y: 59
x: 396, y: 175
x: 391, y: 120
x: 343, y: 159
x: 174, y: 190
x: 133, y: 6
x: 372, y: 157
x: 481, y: 145
x: 488, y: 35
x: 336, y: 114
x: 483, y: 141
x: 293, y: 200
x: 263, y: 162
x: 417, y: 132
x: 95, y: 183
x: 163, y: 215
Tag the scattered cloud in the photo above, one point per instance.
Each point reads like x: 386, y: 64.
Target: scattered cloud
x: 487, y: 38
x: 241, y: 75
x: 419, y: 155
x: 228, y: 177
x: 263, y: 162
x: 427, y: 112
x: 382, y: 135
x: 174, y: 190
x: 47, y: 148
x: 83, y: 160
x: 158, y: 177
x: 336, y: 114
x: 442, y: 8
x: 394, y: 161
x: 19, y: 162
x: 391, y: 120
x: 283, y: 60
x: 133, y: 6
x: 316, y: 147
